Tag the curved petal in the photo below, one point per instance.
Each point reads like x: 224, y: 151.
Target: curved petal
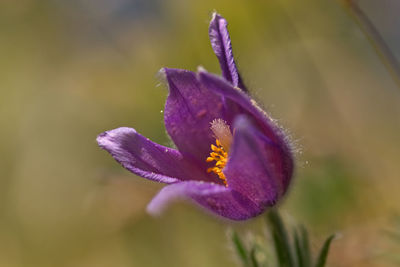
x: 221, y: 44
x: 245, y: 105
x: 146, y: 158
x: 253, y: 167
x: 216, y: 198
x: 189, y: 110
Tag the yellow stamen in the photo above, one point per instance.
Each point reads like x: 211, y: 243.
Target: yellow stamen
x: 209, y: 159
x: 220, y: 157
x: 219, y: 151
x: 218, y: 142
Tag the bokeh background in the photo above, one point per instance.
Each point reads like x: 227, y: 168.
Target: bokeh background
x: 72, y: 69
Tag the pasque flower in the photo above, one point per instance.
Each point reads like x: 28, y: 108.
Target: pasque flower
x: 230, y: 157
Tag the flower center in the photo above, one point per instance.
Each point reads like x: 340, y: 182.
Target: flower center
x: 219, y: 151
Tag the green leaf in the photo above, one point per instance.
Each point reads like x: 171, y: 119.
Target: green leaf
x: 253, y: 258
x: 324, y: 252
x: 305, y: 244
x: 281, y: 240
x: 299, y: 250
x: 240, y: 249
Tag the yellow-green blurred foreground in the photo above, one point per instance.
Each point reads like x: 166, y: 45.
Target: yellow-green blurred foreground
x: 70, y: 70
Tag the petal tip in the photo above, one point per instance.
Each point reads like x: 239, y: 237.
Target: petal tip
x: 101, y: 136
x: 162, y: 75
x: 215, y: 16
x: 101, y: 139
x: 162, y: 71
x: 201, y: 73
x: 105, y: 138
x: 162, y: 200
x: 201, y: 69
x: 154, y: 210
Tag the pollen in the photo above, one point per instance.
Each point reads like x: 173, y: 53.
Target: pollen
x: 219, y: 151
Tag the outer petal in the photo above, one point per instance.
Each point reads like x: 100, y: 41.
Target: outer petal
x: 245, y: 105
x: 147, y: 159
x: 188, y: 112
x: 221, y: 44
x: 252, y: 165
x: 216, y: 198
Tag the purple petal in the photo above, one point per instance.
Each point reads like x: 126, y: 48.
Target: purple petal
x: 146, y: 158
x: 251, y: 168
x: 245, y: 105
x: 221, y: 44
x: 189, y: 110
x: 216, y: 198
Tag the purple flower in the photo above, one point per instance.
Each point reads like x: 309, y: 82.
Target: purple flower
x: 231, y: 157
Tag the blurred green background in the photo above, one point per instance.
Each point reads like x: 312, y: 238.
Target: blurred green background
x: 70, y: 70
